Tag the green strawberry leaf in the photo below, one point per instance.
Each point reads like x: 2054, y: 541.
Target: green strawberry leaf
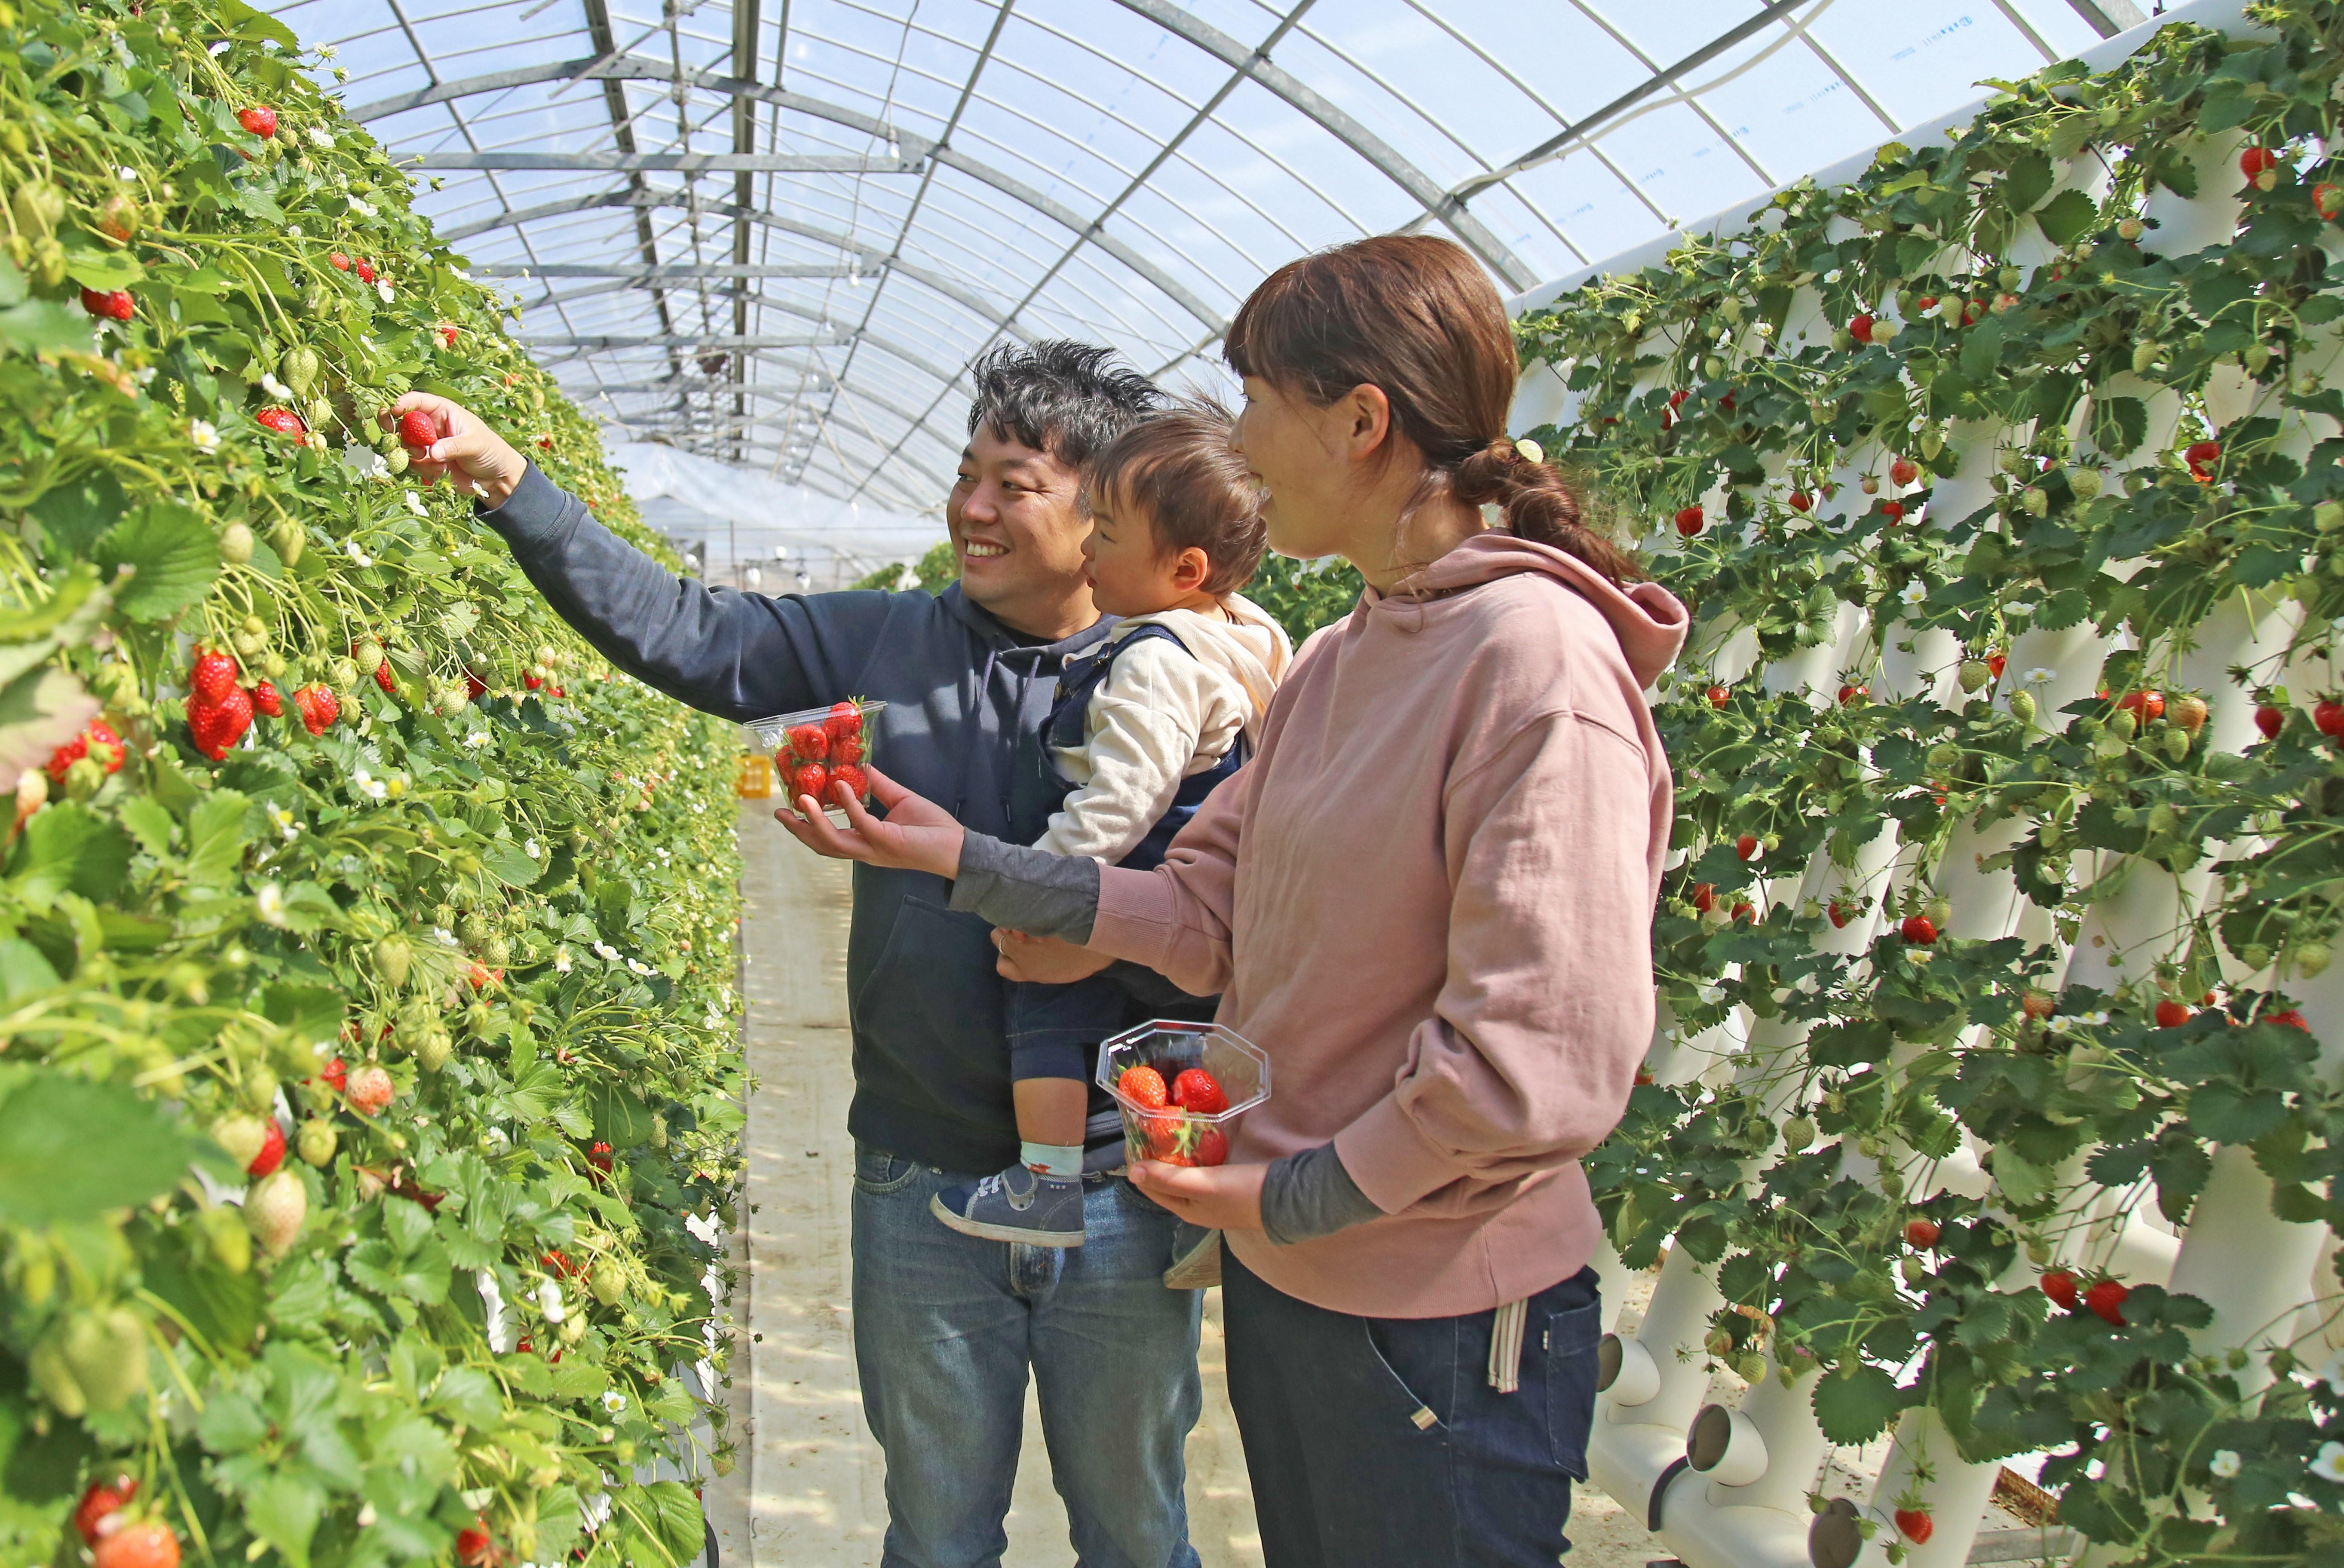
x: 175, y: 555
x: 72, y: 1150
x: 1854, y: 1404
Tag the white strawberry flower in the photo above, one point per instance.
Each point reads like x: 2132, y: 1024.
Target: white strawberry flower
x: 273, y: 386
x: 640, y: 967
x: 282, y: 820
x: 1709, y: 994
x: 531, y: 850
x: 613, y: 1400
x: 360, y: 205
x: 269, y: 903
x: 1913, y: 592
x: 548, y: 1301
x: 126, y: 175
x: 477, y: 738
x: 367, y: 1515
x: 605, y: 952
x: 382, y: 286
x: 319, y: 136
x: 562, y: 960
x: 2332, y: 1374
x: 2224, y: 1465
x: 350, y: 547
x: 2039, y: 676
x: 294, y: 230
x: 2329, y: 1465
x: 203, y: 435
x: 414, y: 503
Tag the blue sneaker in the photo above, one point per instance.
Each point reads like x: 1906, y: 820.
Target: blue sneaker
x: 1018, y: 1205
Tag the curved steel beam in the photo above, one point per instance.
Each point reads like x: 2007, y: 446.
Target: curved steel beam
x: 1384, y: 157
x: 913, y: 148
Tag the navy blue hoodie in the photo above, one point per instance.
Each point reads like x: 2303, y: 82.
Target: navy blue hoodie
x: 966, y: 698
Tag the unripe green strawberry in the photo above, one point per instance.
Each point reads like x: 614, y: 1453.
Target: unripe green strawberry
x: 392, y: 958
x: 1939, y: 912
x: 434, y: 1051
x: 367, y: 654
x: 241, y: 1135
x: 607, y: 1280
x: 2310, y: 958
x: 38, y: 206
x: 342, y: 675
x: 1798, y: 1133
x: 2022, y: 706
x: 107, y: 1352
x: 2145, y: 354
x: 229, y: 1242
x: 55, y: 1377
x: 2084, y: 482
x: 274, y: 1208
x: 2035, y: 502
x: 1974, y: 674
x: 300, y: 369
x: 84, y: 777
x: 473, y: 928
x: 288, y: 541
x: 2176, y: 743
x: 496, y: 953
x: 318, y: 1141
x: 236, y: 544
x: 659, y: 1131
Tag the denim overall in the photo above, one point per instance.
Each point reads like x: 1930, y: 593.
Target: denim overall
x: 1055, y: 1030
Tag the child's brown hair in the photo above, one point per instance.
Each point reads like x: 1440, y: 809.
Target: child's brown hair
x: 1180, y: 467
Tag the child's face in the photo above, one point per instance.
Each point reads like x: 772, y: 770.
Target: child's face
x: 1129, y: 574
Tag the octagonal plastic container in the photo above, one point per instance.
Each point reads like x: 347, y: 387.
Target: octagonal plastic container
x: 774, y: 734
x: 1170, y: 1045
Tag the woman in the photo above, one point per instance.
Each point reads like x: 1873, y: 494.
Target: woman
x: 1427, y: 900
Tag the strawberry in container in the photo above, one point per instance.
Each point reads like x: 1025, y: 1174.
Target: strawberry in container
x: 1180, y: 1085
x: 816, y: 749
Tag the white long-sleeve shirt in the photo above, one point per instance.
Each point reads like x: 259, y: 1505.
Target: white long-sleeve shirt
x: 1165, y: 711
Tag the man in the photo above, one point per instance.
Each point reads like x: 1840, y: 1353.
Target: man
x: 946, y: 1325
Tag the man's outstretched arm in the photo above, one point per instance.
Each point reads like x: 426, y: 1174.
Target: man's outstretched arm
x: 741, y: 655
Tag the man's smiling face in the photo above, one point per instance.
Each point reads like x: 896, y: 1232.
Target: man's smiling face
x: 1017, y: 525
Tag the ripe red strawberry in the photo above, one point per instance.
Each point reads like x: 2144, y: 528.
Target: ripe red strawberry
x: 2271, y: 720
x: 215, y: 727
x: 370, y: 1089
x: 261, y: 120
x: 417, y: 428
x: 1837, y: 916
x: 1851, y: 694
x: 1743, y: 910
x: 2201, y: 457
x: 809, y: 742
x: 99, y: 733
x: 365, y: 270
x: 385, y: 679
x: 1143, y: 1087
x: 266, y: 699
x: 284, y: 422
x: 212, y: 676
x: 98, y: 1513
x: 851, y: 775
x: 1922, y: 1233
x: 2037, y: 1005
x: 2290, y: 1018
x: 317, y: 707
x: 846, y: 749
x: 2327, y: 717
x: 341, y: 263
x: 1746, y: 846
x: 146, y: 1544
x: 2172, y: 1014
x: 1704, y: 896
x: 1195, y: 1089
x: 2327, y: 199
x: 1801, y: 500
x: 272, y: 1150
x: 599, y: 1157
x: 112, y: 304
x: 1169, y: 1139
x: 1718, y: 695
x: 335, y: 1075
x: 1212, y: 1146
x: 2106, y: 1301
x: 446, y: 334
x: 474, y: 687
x: 1894, y: 511
x: 2145, y: 707
x: 1918, y: 929
x: 532, y: 682
x: 810, y: 778
x: 844, y: 719
x: 473, y: 1547
x: 2255, y: 161
x: 1915, y: 1525
x: 1689, y: 520
x: 1997, y: 660
x: 1860, y: 329
x: 1904, y: 471
x: 2060, y: 1286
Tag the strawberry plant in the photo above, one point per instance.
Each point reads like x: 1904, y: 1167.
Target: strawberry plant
x: 2006, y: 484
x: 320, y: 1028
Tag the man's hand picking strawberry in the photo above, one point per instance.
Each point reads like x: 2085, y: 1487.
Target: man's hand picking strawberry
x: 474, y: 458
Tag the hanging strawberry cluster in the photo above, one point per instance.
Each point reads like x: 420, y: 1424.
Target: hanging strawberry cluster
x: 369, y: 1078
x: 2161, y: 427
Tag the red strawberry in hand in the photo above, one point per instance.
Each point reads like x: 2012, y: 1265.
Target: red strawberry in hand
x: 1212, y: 1146
x: 1915, y: 1525
x: 851, y: 775
x: 261, y: 120
x: 272, y: 1150
x: 843, y: 721
x: 809, y: 744
x: 1197, y: 1090
x: 213, y: 677
x: 846, y: 749
x: 810, y: 778
x: 417, y: 430
x: 1143, y: 1087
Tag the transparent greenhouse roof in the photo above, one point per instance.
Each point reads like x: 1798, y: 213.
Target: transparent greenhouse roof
x: 776, y: 232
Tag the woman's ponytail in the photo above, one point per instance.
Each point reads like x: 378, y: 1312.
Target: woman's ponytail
x: 1540, y: 504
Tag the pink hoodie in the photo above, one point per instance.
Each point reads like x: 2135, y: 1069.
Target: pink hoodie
x: 1429, y: 900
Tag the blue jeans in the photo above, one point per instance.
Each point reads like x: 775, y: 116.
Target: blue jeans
x: 946, y: 1327
x: 1378, y: 1442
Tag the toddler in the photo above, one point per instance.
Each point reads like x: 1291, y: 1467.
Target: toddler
x: 1142, y: 730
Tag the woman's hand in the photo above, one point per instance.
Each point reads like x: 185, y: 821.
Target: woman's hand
x: 476, y: 459
x: 918, y: 834
x: 1218, y: 1197
x: 1045, y: 960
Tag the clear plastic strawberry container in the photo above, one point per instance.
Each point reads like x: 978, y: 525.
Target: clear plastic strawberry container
x: 1175, y: 1134
x: 846, y: 735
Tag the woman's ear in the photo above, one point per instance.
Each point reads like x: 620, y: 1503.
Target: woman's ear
x: 1364, y: 420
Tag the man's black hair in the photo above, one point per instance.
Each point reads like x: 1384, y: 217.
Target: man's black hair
x: 1068, y: 399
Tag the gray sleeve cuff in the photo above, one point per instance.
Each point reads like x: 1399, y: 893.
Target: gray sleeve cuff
x: 1310, y: 1195
x: 1028, y: 890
